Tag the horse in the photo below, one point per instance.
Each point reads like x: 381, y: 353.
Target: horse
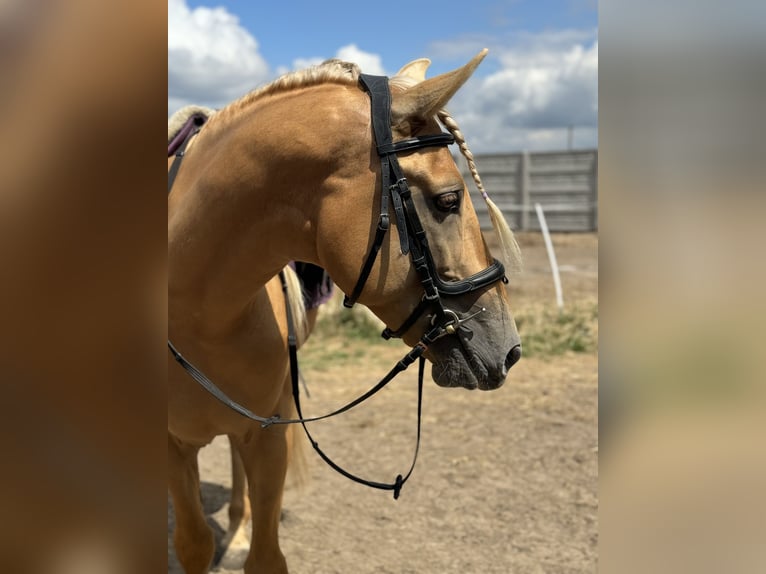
x: 305, y: 169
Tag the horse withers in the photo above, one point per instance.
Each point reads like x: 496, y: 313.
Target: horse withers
x: 305, y: 169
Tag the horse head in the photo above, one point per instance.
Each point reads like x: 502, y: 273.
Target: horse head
x: 439, y: 270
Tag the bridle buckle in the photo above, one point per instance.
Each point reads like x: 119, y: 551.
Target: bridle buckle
x: 402, y: 187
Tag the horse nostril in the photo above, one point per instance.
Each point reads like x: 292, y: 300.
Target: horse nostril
x: 513, y: 357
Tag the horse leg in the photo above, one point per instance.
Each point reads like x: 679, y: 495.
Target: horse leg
x: 236, y: 543
x: 193, y: 538
x: 239, y: 504
x: 264, y: 454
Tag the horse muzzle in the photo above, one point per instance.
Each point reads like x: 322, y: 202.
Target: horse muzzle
x: 459, y: 361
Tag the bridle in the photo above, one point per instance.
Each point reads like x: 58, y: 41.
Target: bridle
x: 413, y: 241
x: 412, y: 236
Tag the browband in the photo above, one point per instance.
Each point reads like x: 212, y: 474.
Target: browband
x: 416, y: 143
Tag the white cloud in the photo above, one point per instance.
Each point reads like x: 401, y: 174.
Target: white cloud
x: 212, y: 59
x: 532, y: 89
x: 545, y: 83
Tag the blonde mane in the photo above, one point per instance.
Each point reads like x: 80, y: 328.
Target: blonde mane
x: 329, y: 71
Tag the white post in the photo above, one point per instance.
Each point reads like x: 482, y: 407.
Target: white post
x: 551, y: 256
x: 524, y: 185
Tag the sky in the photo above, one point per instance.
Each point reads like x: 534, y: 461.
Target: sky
x: 539, y: 79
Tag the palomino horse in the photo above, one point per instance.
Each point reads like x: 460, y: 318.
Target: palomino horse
x: 306, y: 169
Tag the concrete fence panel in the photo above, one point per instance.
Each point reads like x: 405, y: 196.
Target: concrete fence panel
x: 565, y: 183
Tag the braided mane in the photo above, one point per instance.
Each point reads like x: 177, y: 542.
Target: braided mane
x: 510, y: 252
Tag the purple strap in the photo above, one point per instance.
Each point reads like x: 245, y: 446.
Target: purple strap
x: 195, y: 120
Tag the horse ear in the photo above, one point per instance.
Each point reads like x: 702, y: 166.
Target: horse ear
x: 427, y: 97
x: 415, y: 70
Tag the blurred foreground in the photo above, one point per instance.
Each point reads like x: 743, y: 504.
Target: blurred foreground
x: 682, y: 280
x: 82, y: 294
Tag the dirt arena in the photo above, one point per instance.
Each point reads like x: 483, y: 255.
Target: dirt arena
x: 506, y: 481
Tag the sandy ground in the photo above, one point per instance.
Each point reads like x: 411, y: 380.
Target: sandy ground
x: 506, y: 481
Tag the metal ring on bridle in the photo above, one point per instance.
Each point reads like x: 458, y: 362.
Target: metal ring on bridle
x: 455, y: 321
x: 450, y: 326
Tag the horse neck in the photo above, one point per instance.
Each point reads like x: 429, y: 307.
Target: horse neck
x: 246, y: 200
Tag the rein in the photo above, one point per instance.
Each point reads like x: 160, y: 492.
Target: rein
x: 414, y: 354
x: 413, y: 241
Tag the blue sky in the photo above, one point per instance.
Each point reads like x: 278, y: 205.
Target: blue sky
x: 539, y: 78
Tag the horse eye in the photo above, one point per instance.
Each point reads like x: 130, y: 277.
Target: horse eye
x: 449, y: 201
